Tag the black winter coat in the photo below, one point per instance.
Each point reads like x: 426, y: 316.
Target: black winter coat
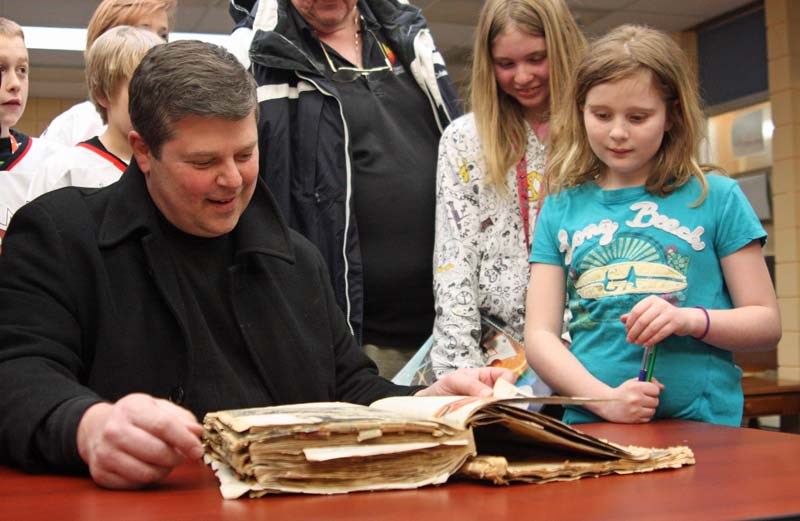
x: 304, y: 139
x: 90, y: 310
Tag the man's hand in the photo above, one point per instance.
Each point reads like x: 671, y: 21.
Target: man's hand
x: 468, y: 382
x: 136, y: 441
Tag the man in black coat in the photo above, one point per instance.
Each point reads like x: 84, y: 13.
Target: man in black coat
x: 128, y: 312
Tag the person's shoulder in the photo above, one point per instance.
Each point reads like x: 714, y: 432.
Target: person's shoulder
x: 306, y: 254
x: 67, y: 199
x: 88, y: 157
x: 462, y: 130
x: 79, y: 122
x: 559, y: 206
x: 462, y: 125
x: 84, y: 109
x: 720, y: 186
x: 70, y: 216
x: 72, y: 167
x: 68, y: 196
x: 719, y: 181
x: 51, y: 169
x: 301, y: 245
x: 572, y: 193
x: 37, y: 153
x: 75, y: 212
x: 66, y: 117
x: 62, y: 158
x: 49, y: 146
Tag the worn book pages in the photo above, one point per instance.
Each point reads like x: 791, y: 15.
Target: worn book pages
x: 545, y: 467
x: 327, y: 448
x: 408, y: 442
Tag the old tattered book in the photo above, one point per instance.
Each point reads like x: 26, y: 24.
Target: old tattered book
x: 409, y: 442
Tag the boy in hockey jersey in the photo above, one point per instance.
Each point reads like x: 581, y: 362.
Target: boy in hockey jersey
x: 20, y: 155
x: 102, y: 159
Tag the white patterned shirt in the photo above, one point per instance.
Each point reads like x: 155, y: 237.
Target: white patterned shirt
x: 480, y: 254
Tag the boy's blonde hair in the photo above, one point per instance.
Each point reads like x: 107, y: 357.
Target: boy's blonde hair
x: 111, y: 13
x: 11, y: 28
x: 112, y: 59
x: 622, y: 53
x: 499, y: 117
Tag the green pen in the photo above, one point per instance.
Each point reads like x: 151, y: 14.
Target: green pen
x: 651, y: 363
x: 648, y: 362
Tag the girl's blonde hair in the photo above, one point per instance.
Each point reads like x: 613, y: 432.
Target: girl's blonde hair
x: 621, y: 54
x: 111, y: 13
x: 499, y: 117
x: 111, y: 61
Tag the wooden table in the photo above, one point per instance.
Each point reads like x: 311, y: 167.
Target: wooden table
x: 740, y: 474
x: 766, y: 395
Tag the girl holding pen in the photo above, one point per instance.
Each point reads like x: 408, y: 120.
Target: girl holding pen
x: 649, y: 247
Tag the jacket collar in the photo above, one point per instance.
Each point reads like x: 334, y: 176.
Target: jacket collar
x: 281, y: 38
x: 241, y: 10
x: 131, y: 212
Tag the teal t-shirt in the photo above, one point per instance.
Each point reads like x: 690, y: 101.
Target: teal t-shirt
x: 619, y: 246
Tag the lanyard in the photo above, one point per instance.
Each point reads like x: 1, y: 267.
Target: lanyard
x: 523, y: 193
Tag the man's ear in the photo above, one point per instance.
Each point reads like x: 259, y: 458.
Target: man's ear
x: 141, y: 152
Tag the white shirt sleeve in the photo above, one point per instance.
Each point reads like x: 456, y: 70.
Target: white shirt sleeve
x: 76, y: 124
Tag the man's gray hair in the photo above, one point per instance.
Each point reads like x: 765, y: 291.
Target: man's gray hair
x: 187, y: 78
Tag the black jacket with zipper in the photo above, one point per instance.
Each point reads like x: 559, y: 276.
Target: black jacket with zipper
x: 303, y: 137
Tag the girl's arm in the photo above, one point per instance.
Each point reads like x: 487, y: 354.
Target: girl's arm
x: 633, y: 401
x: 455, y: 261
x: 753, y: 324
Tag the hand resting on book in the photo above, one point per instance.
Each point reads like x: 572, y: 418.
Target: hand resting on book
x: 139, y: 439
x: 468, y: 382
x: 136, y: 441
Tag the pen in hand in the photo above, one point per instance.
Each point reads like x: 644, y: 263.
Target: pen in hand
x: 648, y: 362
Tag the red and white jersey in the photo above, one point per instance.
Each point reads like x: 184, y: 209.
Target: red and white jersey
x: 19, y: 170
x: 87, y: 164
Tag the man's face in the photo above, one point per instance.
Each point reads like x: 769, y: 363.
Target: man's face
x: 325, y: 15
x: 206, y: 174
x: 14, y: 77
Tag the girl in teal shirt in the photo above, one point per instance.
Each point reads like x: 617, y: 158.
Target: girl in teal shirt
x: 648, y: 247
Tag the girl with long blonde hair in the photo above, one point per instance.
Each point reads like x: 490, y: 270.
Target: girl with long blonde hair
x: 490, y: 172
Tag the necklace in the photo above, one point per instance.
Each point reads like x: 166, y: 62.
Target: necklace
x: 357, y: 37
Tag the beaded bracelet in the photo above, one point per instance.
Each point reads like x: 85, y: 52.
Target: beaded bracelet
x: 708, y: 323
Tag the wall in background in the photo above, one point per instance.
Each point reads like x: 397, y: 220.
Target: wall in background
x: 39, y: 112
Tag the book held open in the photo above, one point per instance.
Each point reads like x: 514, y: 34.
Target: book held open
x: 409, y: 442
